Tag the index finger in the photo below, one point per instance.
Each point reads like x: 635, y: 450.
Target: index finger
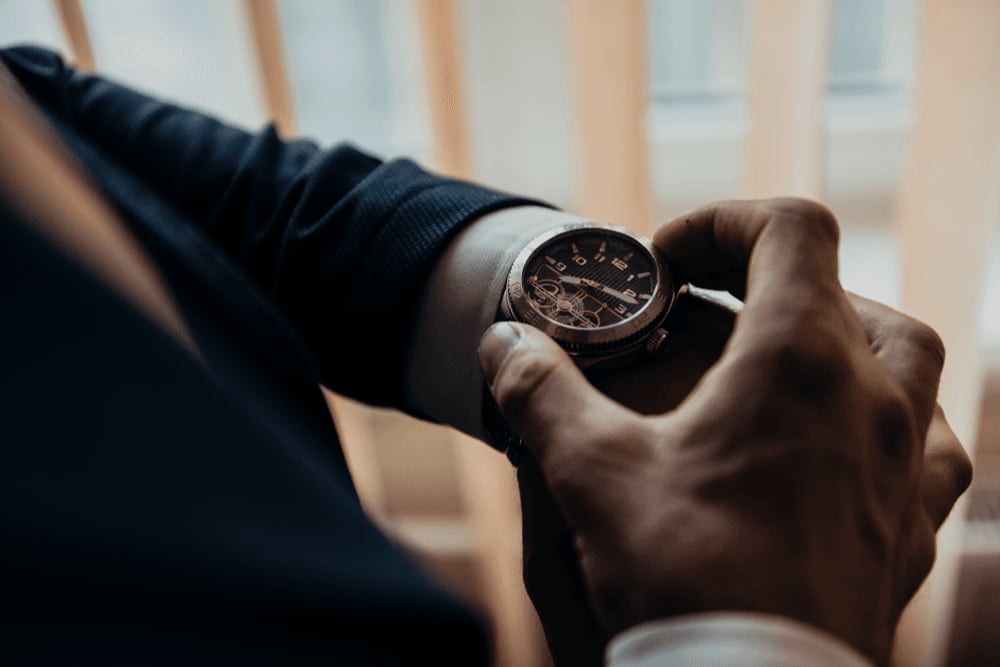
x: 947, y: 470
x: 780, y: 254
x: 909, y: 351
x: 712, y: 246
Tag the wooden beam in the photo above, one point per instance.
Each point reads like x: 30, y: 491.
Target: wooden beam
x: 357, y: 438
x: 265, y: 28
x: 785, y: 149
x: 487, y: 483
x: 608, y: 54
x: 442, y: 48
x: 948, y: 189
x: 947, y: 215
x: 74, y: 25
x: 489, y: 491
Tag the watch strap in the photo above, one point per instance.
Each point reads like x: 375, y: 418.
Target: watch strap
x: 501, y: 436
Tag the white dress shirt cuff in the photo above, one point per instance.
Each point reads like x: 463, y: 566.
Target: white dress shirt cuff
x: 732, y: 639
x: 459, y: 302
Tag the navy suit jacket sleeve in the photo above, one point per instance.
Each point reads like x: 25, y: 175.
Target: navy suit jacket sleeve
x: 340, y: 240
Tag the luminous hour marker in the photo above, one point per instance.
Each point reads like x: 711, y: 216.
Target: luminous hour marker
x: 627, y: 257
x: 630, y: 278
x: 604, y: 246
x: 644, y: 274
x: 556, y: 264
x: 576, y: 250
x: 644, y: 296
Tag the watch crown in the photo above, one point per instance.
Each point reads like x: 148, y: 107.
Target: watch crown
x: 656, y: 344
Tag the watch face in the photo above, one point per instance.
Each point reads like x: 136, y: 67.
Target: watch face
x: 590, y: 278
x: 596, y: 289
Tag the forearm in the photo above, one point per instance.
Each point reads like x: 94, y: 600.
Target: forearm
x: 341, y: 241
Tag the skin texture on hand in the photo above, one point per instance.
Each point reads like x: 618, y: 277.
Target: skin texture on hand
x: 698, y: 332
x: 806, y: 473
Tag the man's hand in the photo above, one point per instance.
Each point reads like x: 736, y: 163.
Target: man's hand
x: 794, y: 480
x: 698, y: 333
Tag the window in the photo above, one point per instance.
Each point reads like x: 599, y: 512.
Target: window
x: 698, y: 69
x: 155, y: 46
x: 30, y: 23
x: 698, y: 51
x: 355, y: 73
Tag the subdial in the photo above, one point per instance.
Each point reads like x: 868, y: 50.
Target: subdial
x: 557, y: 304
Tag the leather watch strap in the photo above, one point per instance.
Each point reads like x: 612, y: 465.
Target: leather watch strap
x: 501, y: 435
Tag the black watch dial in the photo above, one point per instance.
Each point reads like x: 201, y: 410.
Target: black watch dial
x: 590, y: 278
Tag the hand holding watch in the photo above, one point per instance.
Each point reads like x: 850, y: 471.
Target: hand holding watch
x: 601, y: 291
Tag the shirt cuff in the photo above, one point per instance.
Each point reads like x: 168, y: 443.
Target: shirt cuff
x: 735, y: 639
x: 459, y: 302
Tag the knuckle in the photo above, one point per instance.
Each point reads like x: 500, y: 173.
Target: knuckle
x: 816, y: 215
x: 947, y: 474
x: 945, y: 459
x: 959, y: 469
x: 925, y: 339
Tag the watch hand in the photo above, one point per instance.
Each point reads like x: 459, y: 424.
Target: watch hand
x: 621, y: 296
x: 604, y: 306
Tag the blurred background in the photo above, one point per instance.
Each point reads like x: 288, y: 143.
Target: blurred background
x: 630, y: 112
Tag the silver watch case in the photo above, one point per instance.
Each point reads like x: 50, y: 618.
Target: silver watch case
x: 600, y: 342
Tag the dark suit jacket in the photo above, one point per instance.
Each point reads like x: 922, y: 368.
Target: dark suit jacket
x: 167, y: 509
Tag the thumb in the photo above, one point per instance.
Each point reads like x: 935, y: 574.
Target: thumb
x: 544, y: 397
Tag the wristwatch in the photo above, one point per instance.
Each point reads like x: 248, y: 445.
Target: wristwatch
x: 601, y: 291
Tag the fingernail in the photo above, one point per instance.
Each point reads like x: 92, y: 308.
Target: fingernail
x: 496, y: 344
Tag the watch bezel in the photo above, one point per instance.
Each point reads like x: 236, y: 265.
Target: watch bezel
x: 598, y: 340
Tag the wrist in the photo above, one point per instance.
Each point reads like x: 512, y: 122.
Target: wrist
x: 458, y: 303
